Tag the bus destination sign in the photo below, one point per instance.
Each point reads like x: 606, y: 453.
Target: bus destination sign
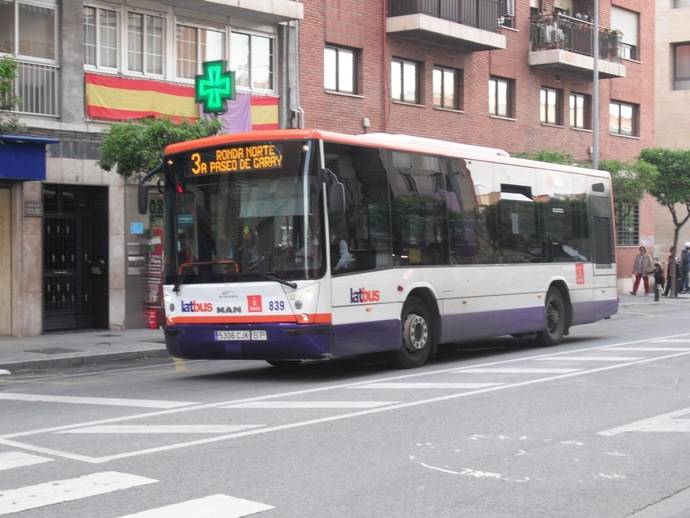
x: 236, y: 159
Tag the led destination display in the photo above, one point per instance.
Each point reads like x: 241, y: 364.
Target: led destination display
x: 235, y: 159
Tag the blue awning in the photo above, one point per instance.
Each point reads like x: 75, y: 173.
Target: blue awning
x: 23, y: 157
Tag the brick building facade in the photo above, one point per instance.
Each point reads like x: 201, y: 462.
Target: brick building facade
x: 537, y: 46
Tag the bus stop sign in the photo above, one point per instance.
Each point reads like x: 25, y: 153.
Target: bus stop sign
x: 214, y: 87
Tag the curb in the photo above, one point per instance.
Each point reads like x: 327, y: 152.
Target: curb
x: 82, y: 359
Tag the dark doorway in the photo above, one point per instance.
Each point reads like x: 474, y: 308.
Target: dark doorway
x: 75, y: 257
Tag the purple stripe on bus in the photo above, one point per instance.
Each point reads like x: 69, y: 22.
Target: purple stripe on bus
x: 587, y: 312
x: 466, y: 326
x: 367, y: 337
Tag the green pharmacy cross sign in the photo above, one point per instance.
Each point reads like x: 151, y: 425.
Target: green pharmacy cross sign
x: 214, y: 87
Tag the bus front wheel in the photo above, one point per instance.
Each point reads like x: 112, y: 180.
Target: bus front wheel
x: 418, y: 335
x: 555, y: 315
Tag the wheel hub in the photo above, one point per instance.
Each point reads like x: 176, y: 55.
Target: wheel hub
x: 418, y: 332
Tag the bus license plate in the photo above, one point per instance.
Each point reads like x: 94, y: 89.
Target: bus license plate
x: 241, y: 336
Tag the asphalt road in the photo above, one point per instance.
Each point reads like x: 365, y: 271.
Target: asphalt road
x: 596, y: 427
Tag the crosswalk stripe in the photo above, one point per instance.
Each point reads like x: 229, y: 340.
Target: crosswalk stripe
x: 77, y: 400
x: 669, y: 422
x: 19, y: 459
x: 311, y: 404
x: 507, y: 370
x: 215, y: 506
x: 58, y: 491
x: 591, y: 358
x: 652, y: 349
x: 422, y: 385
x: 147, y: 429
x: 672, y: 341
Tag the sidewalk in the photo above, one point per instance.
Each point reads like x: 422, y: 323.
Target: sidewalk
x: 626, y: 299
x: 55, y: 350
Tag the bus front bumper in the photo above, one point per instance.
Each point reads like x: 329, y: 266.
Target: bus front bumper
x: 276, y: 342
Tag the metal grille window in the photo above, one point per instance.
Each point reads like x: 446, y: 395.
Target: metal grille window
x: 550, y: 105
x: 251, y: 58
x: 404, y: 81
x: 340, y: 70
x: 623, y: 119
x: 628, y: 24
x: 580, y: 107
x: 501, y: 97
x: 446, y: 88
x: 627, y: 225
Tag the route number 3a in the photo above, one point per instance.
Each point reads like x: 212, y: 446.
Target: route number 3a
x: 199, y: 166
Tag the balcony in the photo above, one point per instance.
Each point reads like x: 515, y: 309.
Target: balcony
x: 563, y: 43
x: 36, y: 89
x: 470, y: 24
x: 268, y: 12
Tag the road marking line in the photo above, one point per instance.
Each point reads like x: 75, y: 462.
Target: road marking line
x: 148, y: 429
x: 669, y: 422
x: 215, y: 506
x: 510, y: 370
x: 423, y: 385
x: 78, y: 400
x: 672, y: 341
x: 58, y: 491
x: 652, y: 349
x: 593, y: 358
x: 7, y: 439
x: 19, y: 459
x: 311, y: 404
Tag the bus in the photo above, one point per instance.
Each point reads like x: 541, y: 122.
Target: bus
x: 290, y: 245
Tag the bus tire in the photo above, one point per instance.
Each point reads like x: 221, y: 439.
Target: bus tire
x: 284, y: 364
x: 555, y: 313
x: 418, y: 335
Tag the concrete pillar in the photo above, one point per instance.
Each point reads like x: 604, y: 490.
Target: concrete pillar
x: 5, y: 260
x: 72, y: 60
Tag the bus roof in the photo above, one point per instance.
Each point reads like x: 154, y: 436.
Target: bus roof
x: 380, y: 140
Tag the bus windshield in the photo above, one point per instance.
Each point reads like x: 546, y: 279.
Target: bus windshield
x: 244, y: 212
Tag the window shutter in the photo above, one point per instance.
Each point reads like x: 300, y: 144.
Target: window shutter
x: 509, y: 7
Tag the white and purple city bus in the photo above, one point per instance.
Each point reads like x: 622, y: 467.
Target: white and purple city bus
x: 289, y: 245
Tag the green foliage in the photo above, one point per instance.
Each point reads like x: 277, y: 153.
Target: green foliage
x: 138, y: 147
x: 553, y: 157
x: 8, y: 74
x: 629, y: 180
x: 672, y: 184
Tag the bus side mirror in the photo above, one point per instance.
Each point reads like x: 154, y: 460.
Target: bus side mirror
x: 143, y: 192
x: 335, y: 191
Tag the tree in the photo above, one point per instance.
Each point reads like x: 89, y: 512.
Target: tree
x: 671, y: 188
x: 138, y: 147
x: 629, y: 181
x: 8, y: 74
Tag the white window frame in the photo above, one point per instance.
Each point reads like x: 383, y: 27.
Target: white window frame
x: 48, y: 4
x: 189, y: 23
x: 118, y: 30
x: 124, y: 53
x: 274, y: 70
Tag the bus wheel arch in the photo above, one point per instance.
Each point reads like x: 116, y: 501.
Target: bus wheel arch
x: 421, y: 327
x: 558, y: 314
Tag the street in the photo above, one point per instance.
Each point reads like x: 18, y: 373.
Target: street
x: 595, y: 427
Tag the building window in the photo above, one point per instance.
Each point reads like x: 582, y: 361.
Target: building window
x: 681, y: 3
x: 100, y: 37
x: 627, y: 224
x: 145, y: 43
x: 34, y: 24
x: 447, y: 88
x: 580, y: 111
x: 627, y: 23
x: 623, y: 118
x: 195, y: 45
x: 340, y: 69
x: 404, y: 81
x: 550, y: 105
x: 507, y: 16
x: 681, y: 66
x: 252, y: 61
x: 501, y: 93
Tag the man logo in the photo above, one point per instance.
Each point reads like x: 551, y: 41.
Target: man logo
x: 228, y: 309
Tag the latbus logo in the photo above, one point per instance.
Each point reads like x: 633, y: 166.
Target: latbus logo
x: 361, y: 295
x: 193, y: 306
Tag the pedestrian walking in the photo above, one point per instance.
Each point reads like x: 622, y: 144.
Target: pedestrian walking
x: 670, y: 260
x: 642, y: 268
x: 685, y: 267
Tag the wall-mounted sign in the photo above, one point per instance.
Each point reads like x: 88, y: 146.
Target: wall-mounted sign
x: 33, y: 209
x: 214, y: 87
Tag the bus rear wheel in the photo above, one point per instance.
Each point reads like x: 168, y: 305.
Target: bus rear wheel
x: 418, y: 335
x: 555, y: 315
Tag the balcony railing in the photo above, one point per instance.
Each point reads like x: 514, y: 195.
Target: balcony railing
x: 36, y: 89
x: 482, y: 14
x: 564, y: 32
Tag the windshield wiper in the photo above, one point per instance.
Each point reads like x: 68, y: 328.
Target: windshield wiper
x: 274, y: 277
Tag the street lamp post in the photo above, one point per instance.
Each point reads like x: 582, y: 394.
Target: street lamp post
x: 595, y: 89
